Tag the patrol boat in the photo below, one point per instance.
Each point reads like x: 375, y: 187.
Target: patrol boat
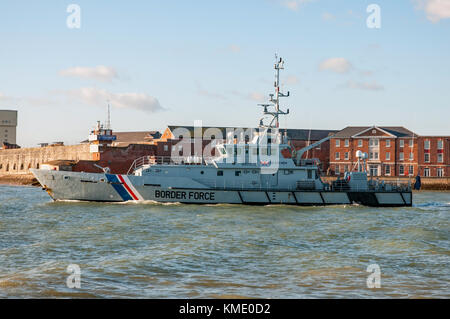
x: 261, y: 168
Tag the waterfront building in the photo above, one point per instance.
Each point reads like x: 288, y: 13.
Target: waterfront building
x: 392, y: 151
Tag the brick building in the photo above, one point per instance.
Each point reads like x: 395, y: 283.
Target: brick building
x: 434, y: 156
x: 392, y: 151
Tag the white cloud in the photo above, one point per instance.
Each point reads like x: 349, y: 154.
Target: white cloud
x: 100, y: 73
x: 372, y: 86
x: 435, y: 9
x: 327, y: 16
x: 212, y: 95
x: 338, y: 65
x: 256, y: 96
x: 99, y: 97
x: 291, y: 79
x: 294, y: 5
x: 8, y: 101
x: 235, y: 48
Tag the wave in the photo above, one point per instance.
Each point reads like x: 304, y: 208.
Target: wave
x: 431, y: 204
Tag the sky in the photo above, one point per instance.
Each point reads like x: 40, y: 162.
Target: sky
x: 162, y: 63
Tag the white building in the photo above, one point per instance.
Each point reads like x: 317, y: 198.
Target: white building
x: 8, y: 124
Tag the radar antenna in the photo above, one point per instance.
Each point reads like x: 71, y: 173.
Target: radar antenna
x: 275, y: 99
x: 108, y: 119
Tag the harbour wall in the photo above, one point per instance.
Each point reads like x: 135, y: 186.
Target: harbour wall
x: 13, y: 161
x: 118, y: 159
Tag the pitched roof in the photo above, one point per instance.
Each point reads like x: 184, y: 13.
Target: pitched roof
x: 397, y: 131
x: 129, y: 137
x: 295, y: 134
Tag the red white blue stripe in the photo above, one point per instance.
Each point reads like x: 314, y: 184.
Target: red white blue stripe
x: 124, y: 187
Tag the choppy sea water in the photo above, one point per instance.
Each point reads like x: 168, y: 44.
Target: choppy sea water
x: 150, y: 250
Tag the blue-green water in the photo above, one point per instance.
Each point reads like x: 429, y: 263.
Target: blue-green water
x: 189, y: 251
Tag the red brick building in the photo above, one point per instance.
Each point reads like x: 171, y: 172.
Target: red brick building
x: 434, y: 156
x: 392, y: 151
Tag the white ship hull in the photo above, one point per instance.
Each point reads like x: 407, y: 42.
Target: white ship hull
x: 62, y: 185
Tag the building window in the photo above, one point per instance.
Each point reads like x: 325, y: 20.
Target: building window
x: 345, y: 168
x: 440, y: 172
x: 402, y: 143
x: 401, y: 170
x: 337, y: 170
x: 402, y: 156
x: 411, y: 143
x: 346, y: 155
x: 411, y: 156
x: 426, y: 145
x: 426, y: 172
x: 427, y: 157
x: 338, y: 143
x: 388, y: 156
x: 347, y: 143
x: 388, y: 143
x: 338, y: 156
x: 166, y: 148
x: 360, y: 143
x: 411, y: 170
x: 370, y: 155
x: 440, y: 145
x: 376, y: 155
x: 373, y: 170
x: 388, y: 170
x: 440, y: 158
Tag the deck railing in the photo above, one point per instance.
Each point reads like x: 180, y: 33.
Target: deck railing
x: 169, y: 160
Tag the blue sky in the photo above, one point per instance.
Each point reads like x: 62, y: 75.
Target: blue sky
x: 174, y: 62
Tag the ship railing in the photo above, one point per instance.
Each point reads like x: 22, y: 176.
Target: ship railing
x: 169, y: 160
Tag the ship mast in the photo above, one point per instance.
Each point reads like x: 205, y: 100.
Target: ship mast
x: 275, y: 100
